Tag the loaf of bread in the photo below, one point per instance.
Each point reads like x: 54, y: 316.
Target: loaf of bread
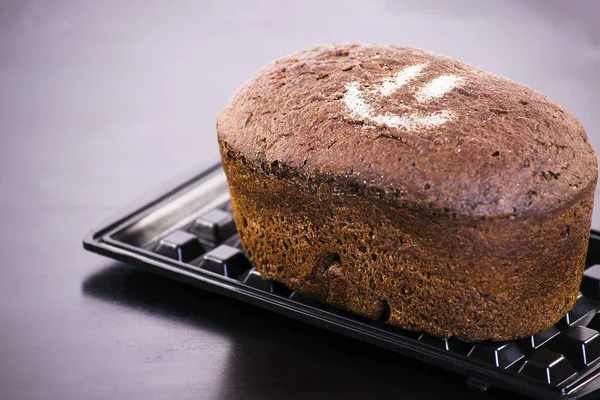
x: 412, y: 188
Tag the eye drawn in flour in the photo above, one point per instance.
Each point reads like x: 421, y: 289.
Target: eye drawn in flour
x: 356, y: 100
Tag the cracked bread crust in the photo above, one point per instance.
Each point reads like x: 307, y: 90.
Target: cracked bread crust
x: 476, y: 227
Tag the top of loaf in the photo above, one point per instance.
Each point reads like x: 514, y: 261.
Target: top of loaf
x: 427, y: 128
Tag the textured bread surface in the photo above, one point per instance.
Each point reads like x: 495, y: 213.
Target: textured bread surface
x: 406, y: 186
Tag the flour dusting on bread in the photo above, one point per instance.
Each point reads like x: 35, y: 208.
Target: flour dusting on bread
x: 389, y: 86
x: 438, y: 87
x: 359, y: 101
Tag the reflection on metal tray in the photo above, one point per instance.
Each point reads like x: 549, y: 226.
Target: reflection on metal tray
x: 187, y: 233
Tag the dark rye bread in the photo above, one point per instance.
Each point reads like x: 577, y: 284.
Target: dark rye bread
x: 405, y: 186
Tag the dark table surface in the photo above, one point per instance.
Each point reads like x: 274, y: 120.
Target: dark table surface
x: 102, y: 100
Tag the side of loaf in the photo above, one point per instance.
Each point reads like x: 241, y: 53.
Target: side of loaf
x: 405, y: 186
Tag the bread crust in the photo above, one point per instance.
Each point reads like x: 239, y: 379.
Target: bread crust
x: 474, y: 227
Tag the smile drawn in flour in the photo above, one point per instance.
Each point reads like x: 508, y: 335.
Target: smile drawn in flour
x: 411, y: 121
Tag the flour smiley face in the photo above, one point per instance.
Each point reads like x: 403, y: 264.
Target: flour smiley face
x: 362, y: 103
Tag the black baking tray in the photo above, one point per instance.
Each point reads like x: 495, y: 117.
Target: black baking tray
x: 186, y: 232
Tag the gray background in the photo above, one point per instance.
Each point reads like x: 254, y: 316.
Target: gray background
x: 100, y: 101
